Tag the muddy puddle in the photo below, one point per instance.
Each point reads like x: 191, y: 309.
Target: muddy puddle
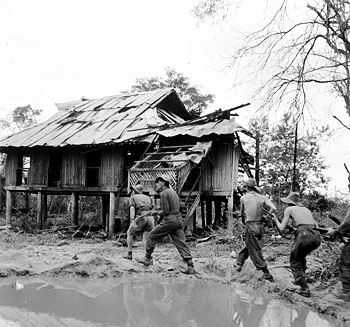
x: 147, y: 302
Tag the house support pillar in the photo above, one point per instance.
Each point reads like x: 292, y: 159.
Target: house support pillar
x: 203, y: 214
x: 75, y: 208
x: 217, y: 205
x: 230, y: 208
x: 209, y: 207
x: 44, y: 204
x: 39, y: 211
x: 104, y: 211
x: 111, y: 214
x: 8, y: 207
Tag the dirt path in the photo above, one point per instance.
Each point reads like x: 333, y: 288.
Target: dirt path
x: 50, y: 256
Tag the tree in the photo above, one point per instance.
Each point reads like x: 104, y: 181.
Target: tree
x: 17, y: 119
x: 296, y: 47
x: 190, y: 94
x: 20, y: 118
x: 276, y: 157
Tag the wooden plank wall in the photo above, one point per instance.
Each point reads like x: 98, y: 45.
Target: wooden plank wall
x: 112, y: 163
x: 73, y: 168
x: 11, y: 168
x: 222, y: 175
x: 39, y: 167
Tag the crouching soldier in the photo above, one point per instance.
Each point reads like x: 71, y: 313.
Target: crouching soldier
x: 141, y: 220
x: 344, y: 260
x: 306, y: 238
x: 170, y: 225
x: 252, y: 206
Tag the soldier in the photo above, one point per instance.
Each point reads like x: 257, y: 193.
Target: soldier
x: 139, y: 205
x: 344, y: 260
x: 306, y: 238
x: 170, y: 225
x: 252, y: 206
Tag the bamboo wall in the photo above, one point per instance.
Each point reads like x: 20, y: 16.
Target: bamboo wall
x: 11, y: 168
x: 112, y: 163
x: 73, y: 168
x: 220, y: 170
x: 39, y: 168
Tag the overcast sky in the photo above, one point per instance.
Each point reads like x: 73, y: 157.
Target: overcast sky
x: 57, y: 51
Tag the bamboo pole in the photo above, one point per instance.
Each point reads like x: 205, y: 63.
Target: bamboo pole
x: 111, y: 214
x: 39, y: 212
x: 203, y: 214
x: 44, y: 204
x: 8, y: 207
x: 209, y: 212
x: 75, y: 208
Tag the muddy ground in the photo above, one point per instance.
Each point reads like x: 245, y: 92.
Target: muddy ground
x: 55, y: 255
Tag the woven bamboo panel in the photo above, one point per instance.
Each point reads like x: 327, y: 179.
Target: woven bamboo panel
x: 148, y: 177
x: 182, y: 175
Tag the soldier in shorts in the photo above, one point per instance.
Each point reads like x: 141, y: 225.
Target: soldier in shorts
x: 306, y: 238
x: 140, y: 221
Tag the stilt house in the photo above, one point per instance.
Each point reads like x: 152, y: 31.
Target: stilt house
x: 99, y: 147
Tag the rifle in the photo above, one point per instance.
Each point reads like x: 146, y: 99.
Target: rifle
x: 334, y: 218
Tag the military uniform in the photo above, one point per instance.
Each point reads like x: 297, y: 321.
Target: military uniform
x: 252, y: 209
x: 344, y: 259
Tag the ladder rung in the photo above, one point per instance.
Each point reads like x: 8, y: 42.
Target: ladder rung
x: 177, y: 146
x: 155, y: 161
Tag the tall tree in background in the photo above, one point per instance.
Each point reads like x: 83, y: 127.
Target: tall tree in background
x: 302, y: 43
x: 17, y: 119
x: 20, y: 118
x: 276, y: 157
x: 190, y: 94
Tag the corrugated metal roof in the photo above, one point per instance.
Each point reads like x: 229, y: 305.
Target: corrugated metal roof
x: 220, y: 127
x: 100, y: 121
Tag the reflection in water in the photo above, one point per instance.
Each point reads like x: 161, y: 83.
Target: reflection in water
x: 163, y: 303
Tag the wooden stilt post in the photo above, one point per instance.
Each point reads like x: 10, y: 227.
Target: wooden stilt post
x: 44, y: 207
x: 111, y: 214
x: 217, y: 206
x: 8, y: 207
x: 39, y: 213
x: 104, y: 209
x: 224, y: 215
x: 75, y: 208
x: 1, y: 200
x: 203, y: 214
x: 230, y: 208
x: 194, y: 220
x: 209, y: 208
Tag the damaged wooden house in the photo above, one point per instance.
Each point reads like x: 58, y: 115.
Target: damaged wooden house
x: 99, y: 147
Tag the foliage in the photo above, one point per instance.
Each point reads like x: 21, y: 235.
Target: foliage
x: 297, y: 45
x: 20, y: 118
x: 277, y: 154
x: 190, y: 94
x: 319, y: 202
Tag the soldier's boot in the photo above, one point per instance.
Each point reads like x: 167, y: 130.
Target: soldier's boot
x: 267, y: 276
x: 304, y: 288
x: 128, y: 256
x: 190, y: 268
x: 146, y: 260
